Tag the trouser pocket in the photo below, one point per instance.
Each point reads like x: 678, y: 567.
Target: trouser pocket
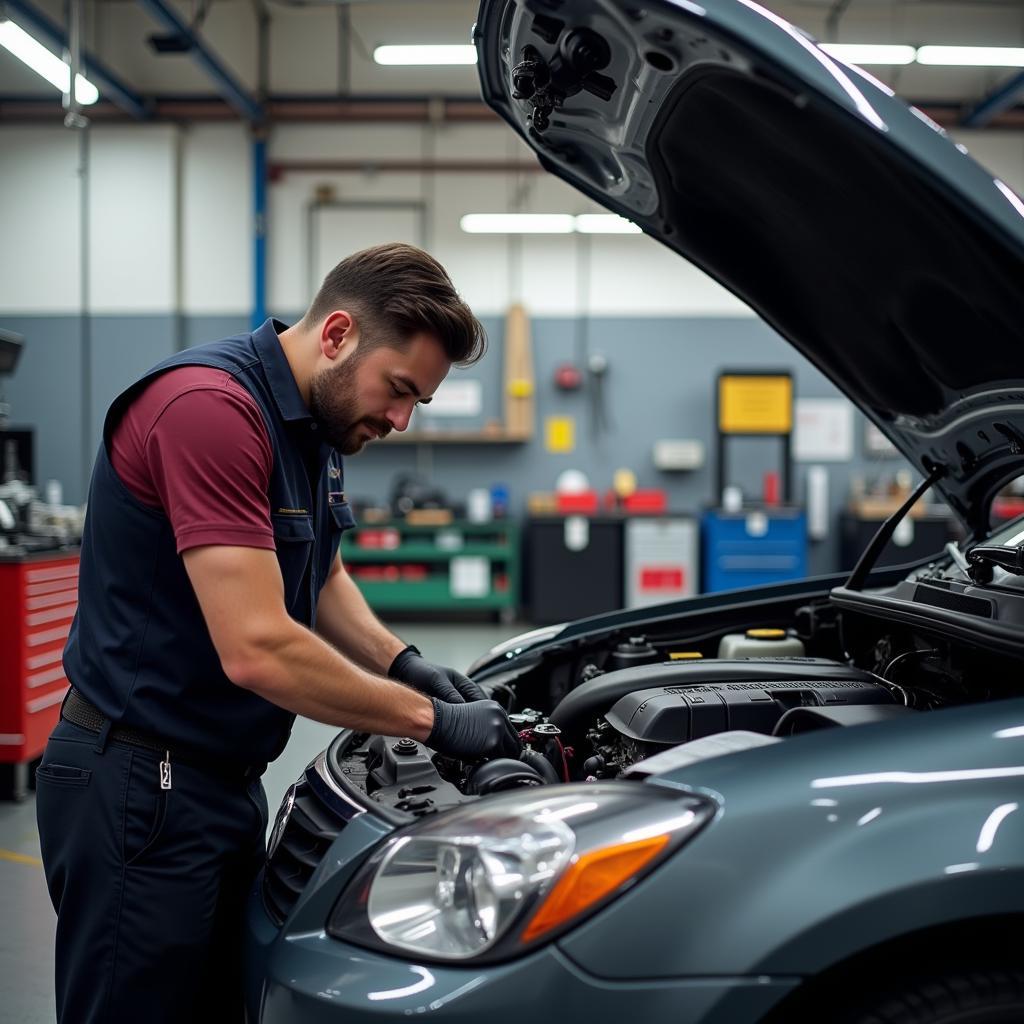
x: 54, y: 774
x: 145, y: 809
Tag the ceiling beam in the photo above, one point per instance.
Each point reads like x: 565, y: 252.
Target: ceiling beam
x: 38, y: 24
x: 355, y: 109
x: 995, y: 102
x: 232, y: 91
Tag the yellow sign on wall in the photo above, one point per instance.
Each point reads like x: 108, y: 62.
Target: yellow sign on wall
x: 560, y: 434
x: 754, y: 404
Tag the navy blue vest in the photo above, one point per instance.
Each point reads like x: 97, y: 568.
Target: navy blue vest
x: 139, y: 648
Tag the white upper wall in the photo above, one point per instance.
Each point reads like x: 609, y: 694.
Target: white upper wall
x: 133, y: 220
x: 217, y: 218
x: 40, y: 257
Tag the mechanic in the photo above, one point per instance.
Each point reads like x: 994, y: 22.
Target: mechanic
x: 213, y: 608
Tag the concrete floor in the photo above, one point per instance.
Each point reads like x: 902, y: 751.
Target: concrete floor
x: 26, y: 938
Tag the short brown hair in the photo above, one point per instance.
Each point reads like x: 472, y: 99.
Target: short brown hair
x: 397, y: 290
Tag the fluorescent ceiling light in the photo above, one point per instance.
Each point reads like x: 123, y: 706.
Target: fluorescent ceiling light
x: 451, y: 53
x: 518, y: 223
x: 972, y: 56
x: 870, y: 53
x: 547, y: 224
x: 42, y: 62
x: 605, y: 224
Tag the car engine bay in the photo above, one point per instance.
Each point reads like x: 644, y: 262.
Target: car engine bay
x: 594, y: 709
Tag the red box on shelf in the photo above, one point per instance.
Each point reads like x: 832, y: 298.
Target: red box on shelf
x: 583, y: 503
x: 652, y: 500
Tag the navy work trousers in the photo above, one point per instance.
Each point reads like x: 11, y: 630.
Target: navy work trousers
x: 149, y: 884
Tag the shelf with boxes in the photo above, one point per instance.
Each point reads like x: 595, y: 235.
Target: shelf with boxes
x: 401, y: 566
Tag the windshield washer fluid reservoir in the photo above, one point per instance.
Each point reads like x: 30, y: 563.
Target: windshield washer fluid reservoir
x: 760, y: 643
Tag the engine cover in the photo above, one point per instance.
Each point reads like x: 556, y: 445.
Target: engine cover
x: 704, y: 703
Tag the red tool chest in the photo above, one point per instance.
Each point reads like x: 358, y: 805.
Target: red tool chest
x: 38, y: 597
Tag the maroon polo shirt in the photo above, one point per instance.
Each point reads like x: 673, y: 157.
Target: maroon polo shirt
x: 194, y: 445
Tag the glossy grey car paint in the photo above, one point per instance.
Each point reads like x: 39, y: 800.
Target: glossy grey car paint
x: 830, y: 843
x: 826, y: 845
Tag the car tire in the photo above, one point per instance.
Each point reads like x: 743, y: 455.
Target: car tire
x: 983, y: 996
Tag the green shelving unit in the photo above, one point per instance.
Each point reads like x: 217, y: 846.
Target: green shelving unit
x: 413, y: 567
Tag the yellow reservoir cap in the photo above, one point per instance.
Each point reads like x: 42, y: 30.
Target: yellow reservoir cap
x: 684, y: 655
x: 766, y: 634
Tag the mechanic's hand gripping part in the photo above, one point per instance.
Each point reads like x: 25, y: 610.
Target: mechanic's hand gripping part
x: 411, y: 668
x: 480, y: 729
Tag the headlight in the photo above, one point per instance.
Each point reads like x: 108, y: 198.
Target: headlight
x: 491, y: 879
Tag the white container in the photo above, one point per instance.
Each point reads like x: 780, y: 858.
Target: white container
x: 760, y: 643
x: 478, y: 505
x: 661, y: 558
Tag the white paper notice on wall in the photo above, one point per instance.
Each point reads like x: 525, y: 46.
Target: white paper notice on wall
x: 469, y: 576
x: 824, y: 430
x: 455, y: 398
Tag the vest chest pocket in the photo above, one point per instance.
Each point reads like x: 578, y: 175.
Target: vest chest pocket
x: 341, y: 516
x: 293, y: 538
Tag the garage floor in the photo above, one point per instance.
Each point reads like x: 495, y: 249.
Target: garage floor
x: 26, y: 937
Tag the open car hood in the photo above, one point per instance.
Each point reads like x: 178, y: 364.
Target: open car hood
x: 849, y: 221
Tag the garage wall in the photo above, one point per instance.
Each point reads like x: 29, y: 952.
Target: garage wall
x: 169, y: 214
x: 661, y: 373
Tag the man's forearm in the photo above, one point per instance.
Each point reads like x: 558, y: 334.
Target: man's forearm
x: 296, y: 670
x: 345, y: 620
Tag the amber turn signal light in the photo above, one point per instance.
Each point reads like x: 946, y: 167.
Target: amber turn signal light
x: 589, y: 879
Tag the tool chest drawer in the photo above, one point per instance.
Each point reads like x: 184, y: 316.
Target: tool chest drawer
x: 38, y: 598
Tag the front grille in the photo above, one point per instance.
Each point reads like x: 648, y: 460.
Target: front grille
x: 311, y: 828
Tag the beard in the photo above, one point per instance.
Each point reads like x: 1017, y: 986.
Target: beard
x: 334, y: 403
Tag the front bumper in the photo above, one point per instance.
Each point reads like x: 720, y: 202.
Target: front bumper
x: 297, y: 973
x: 315, y: 979
x: 300, y: 974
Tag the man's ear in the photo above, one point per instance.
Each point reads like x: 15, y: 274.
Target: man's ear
x: 339, y: 335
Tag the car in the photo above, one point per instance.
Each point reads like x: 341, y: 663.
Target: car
x: 800, y: 802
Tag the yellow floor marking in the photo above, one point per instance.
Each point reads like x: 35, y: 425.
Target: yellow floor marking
x: 20, y: 858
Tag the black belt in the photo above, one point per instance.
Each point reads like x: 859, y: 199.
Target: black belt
x: 83, y: 713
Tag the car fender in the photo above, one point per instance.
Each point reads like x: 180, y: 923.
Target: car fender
x: 825, y: 845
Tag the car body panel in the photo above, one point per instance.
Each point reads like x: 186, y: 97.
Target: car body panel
x: 753, y: 602
x: 321, y: 981
x: 829, y: 843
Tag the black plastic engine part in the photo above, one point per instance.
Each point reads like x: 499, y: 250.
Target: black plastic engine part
x: 401, y: 774
x: 540, y: 764
x: 676, y: 714
x: 798, y: 720
x: 500, y: 774
x: 634, y: 652
x: 740, y: 677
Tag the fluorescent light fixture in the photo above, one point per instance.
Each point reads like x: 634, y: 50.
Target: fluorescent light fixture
x: 605, y: 224
x: 448, y: 54
x: 31, y: 52
x: 870, y: 53
x: 517, y: 223
x: 547, y: 224
x: 972, y: 56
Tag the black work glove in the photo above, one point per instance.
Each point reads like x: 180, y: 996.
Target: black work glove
x: 468, y: 731
x: 446, y: 684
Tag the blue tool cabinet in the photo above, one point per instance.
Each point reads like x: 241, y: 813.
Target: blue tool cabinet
x: 752, y: 547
